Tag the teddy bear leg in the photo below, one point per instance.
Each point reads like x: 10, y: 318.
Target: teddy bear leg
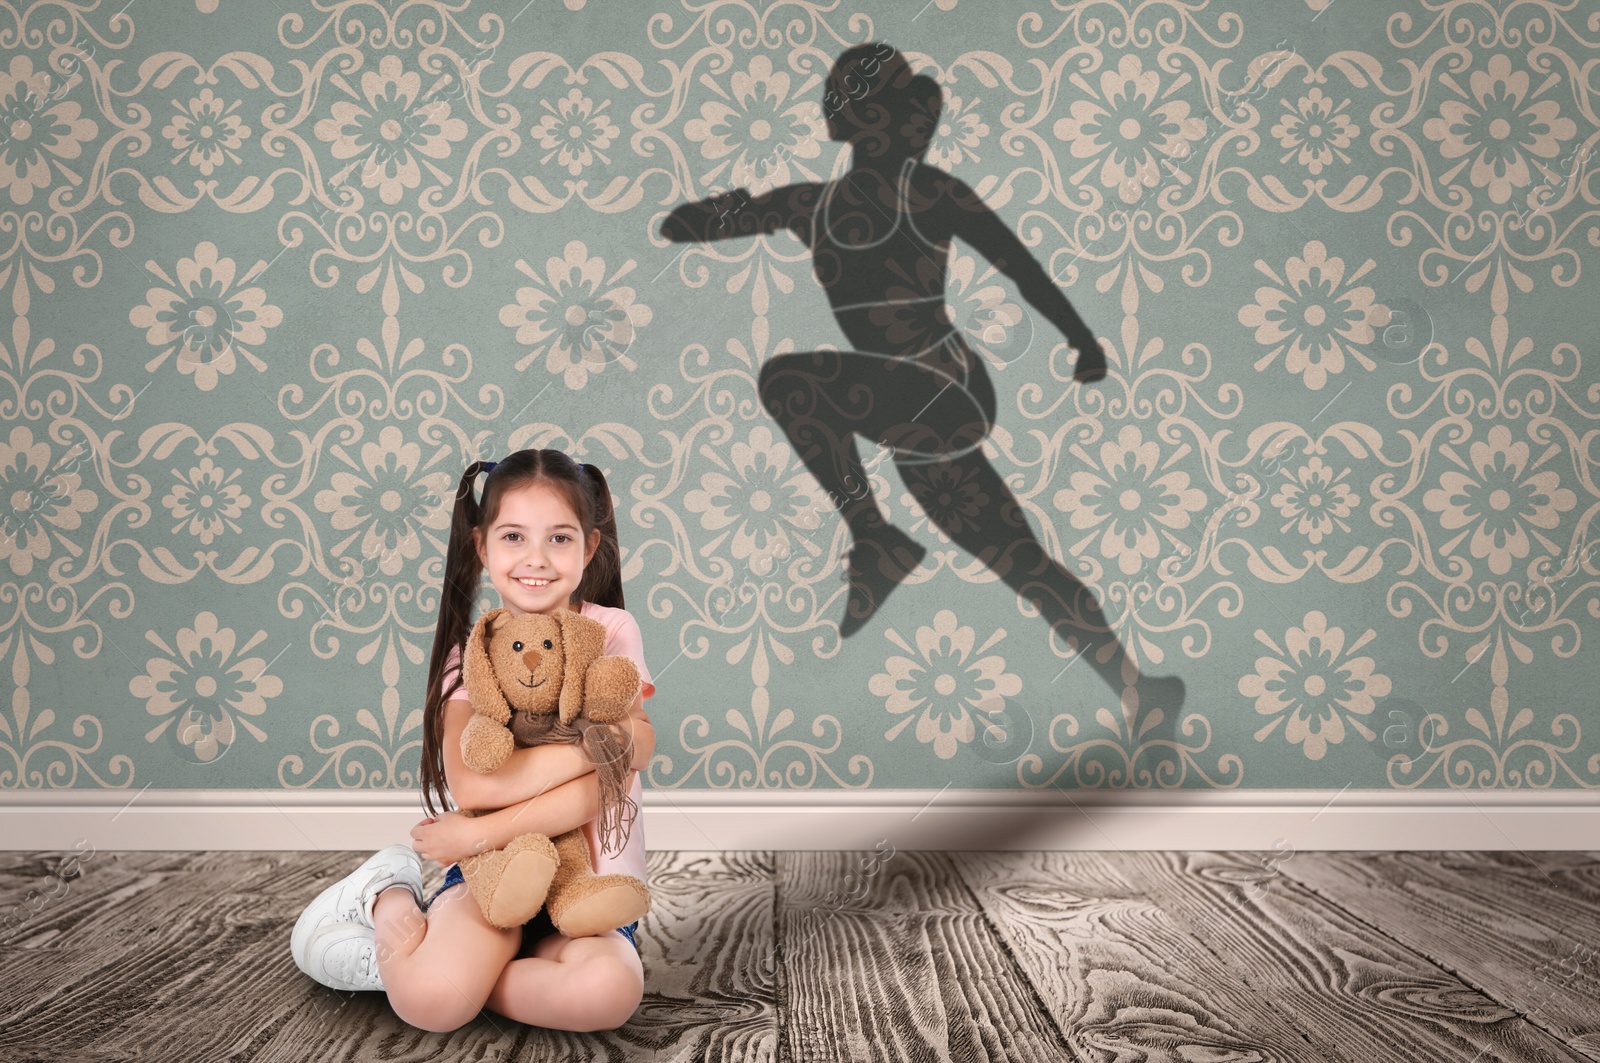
x: 511, y: 884
x: 583, y: 904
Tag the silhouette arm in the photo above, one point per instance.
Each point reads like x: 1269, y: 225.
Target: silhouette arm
x: 984, y: 230
x: 727, y: 214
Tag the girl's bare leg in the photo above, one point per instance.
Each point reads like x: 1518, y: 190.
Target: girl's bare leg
x: 582, y: 984
x: 438, y: 968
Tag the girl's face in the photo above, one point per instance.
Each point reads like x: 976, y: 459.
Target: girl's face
x: 535, y: 552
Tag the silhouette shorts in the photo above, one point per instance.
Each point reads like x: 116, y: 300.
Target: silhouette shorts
x: 535, y: 929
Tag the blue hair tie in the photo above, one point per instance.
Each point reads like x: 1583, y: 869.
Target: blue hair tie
x: 488, y: 466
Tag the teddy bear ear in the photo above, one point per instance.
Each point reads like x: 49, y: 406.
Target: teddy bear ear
x: 478, y: 673
x: 582, y: 640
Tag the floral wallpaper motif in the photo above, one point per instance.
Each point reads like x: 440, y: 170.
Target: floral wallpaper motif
x: 943, y: 684
x: 206, y: 315
x: 272, y: 275
x: 1318, y: 693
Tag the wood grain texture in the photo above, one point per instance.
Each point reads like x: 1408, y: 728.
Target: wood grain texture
x: 709, y: 960
x: 1120, y: 978
x: 188, y: 959
x: 1095, y: 956
x: 1330, y: 974
x: 48, y: 900
x: 891, y: 958
x: 1521, y: 928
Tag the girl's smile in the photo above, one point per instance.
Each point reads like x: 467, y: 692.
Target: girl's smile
x: 535, y: 555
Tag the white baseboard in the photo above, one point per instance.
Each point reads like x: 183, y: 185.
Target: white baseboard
x: 948, y: 819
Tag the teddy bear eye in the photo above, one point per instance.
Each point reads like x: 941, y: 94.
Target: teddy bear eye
x: 517, y: 647
x: 549, y: 645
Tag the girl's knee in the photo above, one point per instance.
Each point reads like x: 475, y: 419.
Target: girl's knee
x: 615, y: 985
x: 445, y: 982
x: 434, y: 1011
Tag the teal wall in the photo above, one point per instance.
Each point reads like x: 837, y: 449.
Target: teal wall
x: 273, y: 274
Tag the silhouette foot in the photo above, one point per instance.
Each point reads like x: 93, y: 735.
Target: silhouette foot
x: 870, y: 586
x: 1091, y: 362
x: 1166, y: 694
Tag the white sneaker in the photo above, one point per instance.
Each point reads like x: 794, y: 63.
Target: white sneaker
x: 350, y: 900
x: 343, y: 956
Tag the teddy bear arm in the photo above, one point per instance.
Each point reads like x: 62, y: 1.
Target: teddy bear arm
x: 485, y: 745
x: 609, y: 687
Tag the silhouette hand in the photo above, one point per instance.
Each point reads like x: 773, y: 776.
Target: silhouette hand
x: 1091, y: 359
x: 679, y: 226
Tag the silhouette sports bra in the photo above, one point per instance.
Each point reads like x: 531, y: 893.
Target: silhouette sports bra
x: 958, y: 352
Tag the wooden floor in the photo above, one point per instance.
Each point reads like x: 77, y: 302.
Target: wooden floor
x: 1107, y: 956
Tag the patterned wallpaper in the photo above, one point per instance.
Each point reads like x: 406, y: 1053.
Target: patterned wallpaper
x: 273, y: 273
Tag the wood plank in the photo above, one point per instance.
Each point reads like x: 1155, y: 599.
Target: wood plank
x: 47, y: 1053
x: 890, y: 958
x: 47, y: 902
x: 883, y: 882
x: 1528, y: 939
x: 702, y: 946
x: 1340, y: 978
x: 1574, y: 873
x: 142, y: 985
x: 326, y: 1024
x: 966, y: 955
x: 202, y: 968
x: 1119, y: 976
x: 710, y: 967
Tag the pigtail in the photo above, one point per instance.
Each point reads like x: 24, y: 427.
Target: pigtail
x: 462, y: 571
x: 602, y: 577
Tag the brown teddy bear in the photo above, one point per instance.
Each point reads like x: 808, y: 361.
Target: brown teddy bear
x: 533, y: 679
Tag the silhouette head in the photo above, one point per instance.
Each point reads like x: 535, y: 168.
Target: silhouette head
x: 874, y: 101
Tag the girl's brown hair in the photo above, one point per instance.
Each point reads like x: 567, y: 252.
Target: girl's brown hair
x: 585, y: 490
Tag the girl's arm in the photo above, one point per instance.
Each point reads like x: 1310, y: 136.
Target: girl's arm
x: 528, y: 773
x: 643, y: 734
x: 451, y: 837
x: 564, y: 806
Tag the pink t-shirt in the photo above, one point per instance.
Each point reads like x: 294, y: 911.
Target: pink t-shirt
x: 622, y: 638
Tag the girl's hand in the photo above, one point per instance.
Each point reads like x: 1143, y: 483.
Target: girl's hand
x: 448, y: 838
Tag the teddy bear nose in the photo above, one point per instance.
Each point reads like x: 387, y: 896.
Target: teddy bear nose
x: 531, y: 658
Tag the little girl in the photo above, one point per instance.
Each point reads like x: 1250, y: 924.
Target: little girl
x: 546, y: 532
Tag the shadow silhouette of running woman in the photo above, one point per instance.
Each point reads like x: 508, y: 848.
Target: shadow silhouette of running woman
x: 880, y: 240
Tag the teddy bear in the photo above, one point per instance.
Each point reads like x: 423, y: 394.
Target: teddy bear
x: 534, y: 678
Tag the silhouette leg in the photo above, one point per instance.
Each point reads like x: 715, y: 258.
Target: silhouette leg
x: 822, y: 399
x: 1000, y: 537
x: 793, y: 389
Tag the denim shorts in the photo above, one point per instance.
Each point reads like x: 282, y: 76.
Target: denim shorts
x: 535, y: 929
